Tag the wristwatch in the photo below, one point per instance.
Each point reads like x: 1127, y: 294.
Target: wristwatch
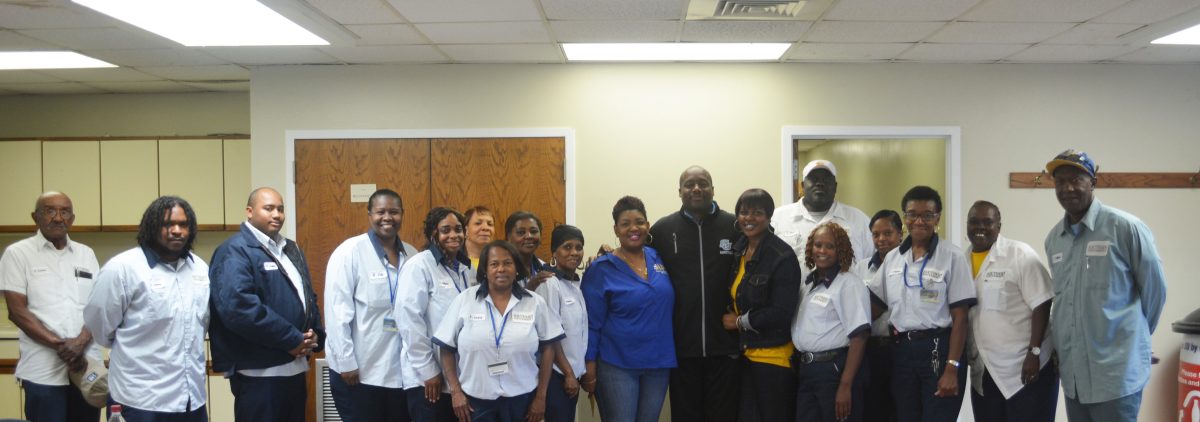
x: 1036, y: 351
x: 953, y: 363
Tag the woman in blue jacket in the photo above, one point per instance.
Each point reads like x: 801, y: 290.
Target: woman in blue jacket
x: 629, y: 297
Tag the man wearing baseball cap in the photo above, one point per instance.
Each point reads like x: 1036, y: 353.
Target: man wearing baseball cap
x: 794, y: 222
x: 1109, y: 292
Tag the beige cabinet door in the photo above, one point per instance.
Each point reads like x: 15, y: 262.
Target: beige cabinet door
x: 128, y: 181
x: 73, y: 168
x: 237, y: 181
x: 20, y: 181
x: 191, y: 169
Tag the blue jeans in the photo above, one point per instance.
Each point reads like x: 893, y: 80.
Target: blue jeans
x: 1124, y: 409
x: 559, y: 406
x: 914, y: 381
x: 1035, y: 402
x: 502, y: 409
x: 630, y: 395
x: 367, y: 403
x: 421, y: 410
x: 57, y: 403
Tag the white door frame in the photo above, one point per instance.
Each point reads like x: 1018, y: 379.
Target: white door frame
x: 291, y: 136
x: 952, y: 199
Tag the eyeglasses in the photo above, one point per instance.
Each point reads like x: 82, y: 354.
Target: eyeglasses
x: 53, y: 212
x: 928, y: 217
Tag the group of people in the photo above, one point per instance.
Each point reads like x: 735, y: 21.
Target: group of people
x: 808, y: 311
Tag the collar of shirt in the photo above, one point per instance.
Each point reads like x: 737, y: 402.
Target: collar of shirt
x: 1088, y: 220
x: 711, y: 210
x: 933, y: 244
x: 459, y: 259
x: 834, y: 211
x: 378, y: 245
x: 152, y: 259
x: 274, y: 245
x: 826, y: 280
x: 876, y: 261
x: 512, y: 302
x: 46, y: 243
x: 562, y: 275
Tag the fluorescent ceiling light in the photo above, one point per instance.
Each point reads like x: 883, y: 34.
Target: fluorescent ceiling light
x: 1187, y: 36
x: 10, y: 60
x: 675, y: 51
x: 202, y: 23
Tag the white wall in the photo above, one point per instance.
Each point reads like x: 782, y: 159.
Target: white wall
x: 638, y: 126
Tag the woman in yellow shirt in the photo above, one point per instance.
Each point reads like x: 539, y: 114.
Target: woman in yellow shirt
x: 766, y: 290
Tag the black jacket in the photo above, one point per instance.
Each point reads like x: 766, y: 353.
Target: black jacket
x: 698, y: 257
x: 769, y: 291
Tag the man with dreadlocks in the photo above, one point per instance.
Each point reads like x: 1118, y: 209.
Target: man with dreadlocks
x: 150, y: 305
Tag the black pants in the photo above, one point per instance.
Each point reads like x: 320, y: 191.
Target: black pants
x: 768, y: 392
x: 705, y: 389
x: 276, y: 399
x: 1037, y: 402
x: 367, y: 403
x: 57, y: 403
x: 559, y: 406
x: 421, y: 410
x: 817, y: 387
x: 879, y: 381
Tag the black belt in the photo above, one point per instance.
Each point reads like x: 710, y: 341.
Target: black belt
x: 918, y: 334
x: 813, y: 357
x: 880, y: 341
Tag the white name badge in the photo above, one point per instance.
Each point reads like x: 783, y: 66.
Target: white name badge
x: 378, y: 275
x: 158, y: 285
x: 445, y: 284
x: 1097, y: 248
x: 270, y: 266
x: 476, y: 317
x: 1056, y: 258
x: 820, y: 299
x: 569, y: 301
x: 40, y: 270
x: 935, y: 275
x: 199, y: 279
x: 498, y: 368
x: 895, y: 272
x: 523, y: 317
x: 929, y: 296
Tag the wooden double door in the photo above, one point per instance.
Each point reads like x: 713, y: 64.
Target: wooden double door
x: 503, y: 174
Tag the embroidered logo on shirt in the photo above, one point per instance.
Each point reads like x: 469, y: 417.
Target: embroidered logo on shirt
x: 660, y: 268
x: 40, y: 271
x: 1058, y: 257
x: 1097, y: 248
x: 726, y: 247
x: 522, y: 317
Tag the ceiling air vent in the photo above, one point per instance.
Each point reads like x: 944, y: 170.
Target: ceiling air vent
x: 756, y: 9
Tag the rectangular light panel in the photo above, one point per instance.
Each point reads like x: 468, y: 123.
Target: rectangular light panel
x: 636, y: 52
x: 203, y: 23
x: 1190, y: 36
x: 12, y: 60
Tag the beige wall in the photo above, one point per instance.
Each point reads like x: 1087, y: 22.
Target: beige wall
x: 639, y: 125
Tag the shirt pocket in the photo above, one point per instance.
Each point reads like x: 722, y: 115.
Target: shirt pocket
x: 378, y: 292
x: 758, y: 290
x: 995, y: 296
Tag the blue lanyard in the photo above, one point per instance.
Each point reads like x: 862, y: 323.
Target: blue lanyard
x: 920, y: 275
x: 392, y: 285
x: 499, y: 334
x: 454, y: 280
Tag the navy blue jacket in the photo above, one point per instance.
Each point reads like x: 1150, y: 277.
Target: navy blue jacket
x: 769, y: 291
x: 257, y: 316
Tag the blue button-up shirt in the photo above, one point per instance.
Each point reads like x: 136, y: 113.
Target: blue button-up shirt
x: 1109, y: 291
x: 629, y: 318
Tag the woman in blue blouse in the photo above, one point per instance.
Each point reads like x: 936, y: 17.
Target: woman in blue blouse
x: 629, y: 299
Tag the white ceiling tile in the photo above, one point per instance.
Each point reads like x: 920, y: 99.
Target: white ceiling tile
x: 144, y: 87
x: 744, y: 31
x: 505, y: 53
x: 898, y: 10
x: 1095, y: 33
x: 99, y: 38
x: 12, y: 41
x: 114, y: 74
x: 271, y: 55
x: 180, y: 56
x: 485, y: 32
x: 388, y: 54
x: 239, y: 86
x: 998, y: 32
x: 870, y: 32
x: 614, y: 9
x: 1163, y: 54
x: 1070, y: 53
x: 421, y: 11
x: 1146, y: 12
x: 395, y: 34
x: 25, y: 77
x: 347, y: 12
x: 844, y: 52
x: 1040, y: 10
x: 23, y: 16
x: 615, y: 31
x: 928, y: 52
x: 53, y: 88
x: 199, y: 73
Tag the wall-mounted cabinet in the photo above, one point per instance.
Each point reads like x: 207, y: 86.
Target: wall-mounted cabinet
x: 111, y: 181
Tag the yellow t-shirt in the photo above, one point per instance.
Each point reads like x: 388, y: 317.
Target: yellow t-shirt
x: 779, y: 355
x: 474, y: 263
x: 977, y: 259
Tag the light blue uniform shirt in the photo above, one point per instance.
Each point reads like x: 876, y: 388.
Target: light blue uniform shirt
x: 1108, y: 293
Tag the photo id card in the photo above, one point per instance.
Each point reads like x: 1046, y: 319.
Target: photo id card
x: 498, y: 368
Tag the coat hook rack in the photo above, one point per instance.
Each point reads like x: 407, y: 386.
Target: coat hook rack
x: 1041, y: 180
